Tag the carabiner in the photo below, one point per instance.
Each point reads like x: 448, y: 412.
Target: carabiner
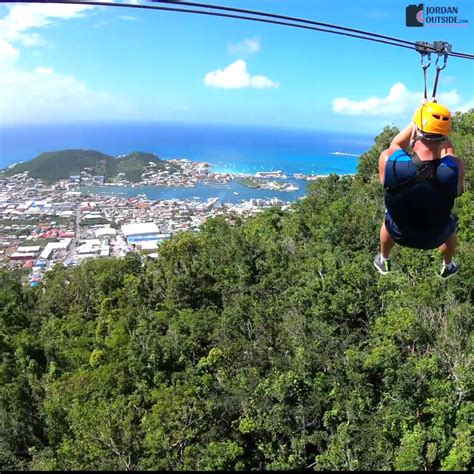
x: 442, y: 48
x: 423, y: 65
x: 445, y: 55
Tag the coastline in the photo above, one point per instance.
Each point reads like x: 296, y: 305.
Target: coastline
x: 227, y: 148
x: 83, y: 216
x: 232, y: 192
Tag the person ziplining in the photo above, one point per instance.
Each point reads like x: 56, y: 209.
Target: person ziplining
x: 421, y: 188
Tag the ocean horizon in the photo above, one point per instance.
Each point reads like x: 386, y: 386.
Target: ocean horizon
x: 231, y: 148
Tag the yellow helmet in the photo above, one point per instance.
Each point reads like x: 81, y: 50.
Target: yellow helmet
x: 433, y: 118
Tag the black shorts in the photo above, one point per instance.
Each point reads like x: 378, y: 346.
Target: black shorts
x: 420, y: 239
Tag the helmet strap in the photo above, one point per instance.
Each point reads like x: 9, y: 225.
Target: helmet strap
x: 431, y: 137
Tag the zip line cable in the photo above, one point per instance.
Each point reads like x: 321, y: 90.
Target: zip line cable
x: 201, y: 12
x: 281, y: 17
x: 306, y: 21
x: 360, y: 33
x: 303, y: 20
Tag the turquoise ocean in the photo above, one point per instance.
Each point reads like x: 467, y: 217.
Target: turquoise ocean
x: 232, y: 148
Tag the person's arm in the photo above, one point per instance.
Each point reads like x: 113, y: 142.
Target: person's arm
x: 402, y: 139
x: 384, y: 156
x: 447, y: 148
x: 462, y: 173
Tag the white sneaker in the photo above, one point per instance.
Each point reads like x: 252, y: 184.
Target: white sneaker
x: 447, y: 272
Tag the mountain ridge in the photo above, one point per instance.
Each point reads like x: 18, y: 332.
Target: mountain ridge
x: 61, y: 164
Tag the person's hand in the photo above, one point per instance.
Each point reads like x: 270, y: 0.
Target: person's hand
x: 414, y: 131
x: 411, y: 128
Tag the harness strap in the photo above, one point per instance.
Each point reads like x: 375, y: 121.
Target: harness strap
x: 425, y: 172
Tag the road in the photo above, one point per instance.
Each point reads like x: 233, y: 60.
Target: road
x: 77, y: 228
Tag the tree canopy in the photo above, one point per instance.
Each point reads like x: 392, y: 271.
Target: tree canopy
x: 265, y: 343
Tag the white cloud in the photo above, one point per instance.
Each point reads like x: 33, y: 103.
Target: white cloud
x: 46, y: 71
x: 466, y: 106
x: 447, y: 80
x: 42, y: 94
x: 128, y: 18
x: 247, y: 46
x: 235, y: 76
x: 399, y: 101
x: 449, y: 99
x: 8, y: 53
x: 23, y: 17
x: 378, y: 14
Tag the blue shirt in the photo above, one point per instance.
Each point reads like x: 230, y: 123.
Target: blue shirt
x: 428, y: 204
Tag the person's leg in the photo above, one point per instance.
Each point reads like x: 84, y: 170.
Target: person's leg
x: 381, y: 261
x: 449, y: 248
x: 386, y: 242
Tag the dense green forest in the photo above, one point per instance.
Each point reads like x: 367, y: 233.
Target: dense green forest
x: 265, y: 343
x: 54, y: 165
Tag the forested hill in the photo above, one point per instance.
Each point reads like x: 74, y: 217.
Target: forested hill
x: 268, y: 343
x: 54, y: 165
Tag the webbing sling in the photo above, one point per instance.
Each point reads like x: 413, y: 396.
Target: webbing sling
x: 425, y: 172
x: 441, y: 48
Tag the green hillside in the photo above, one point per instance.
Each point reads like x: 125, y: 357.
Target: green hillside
x: 134, y: 163
x: 268, y: 343
x: 54, y: 165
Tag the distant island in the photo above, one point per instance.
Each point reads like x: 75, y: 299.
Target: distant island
x: 259, y: 183
x: 56, y: 165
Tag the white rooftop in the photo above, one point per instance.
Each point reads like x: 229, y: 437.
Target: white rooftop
x: 140, y: 229
x: 148, y: 244
x: 22, y: 255
x: 62, y: 244
x: 29, y: 249
x: 92, y: 215
x: 102, y: 231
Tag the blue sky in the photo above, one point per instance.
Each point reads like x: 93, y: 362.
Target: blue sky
x: 66, y: 63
